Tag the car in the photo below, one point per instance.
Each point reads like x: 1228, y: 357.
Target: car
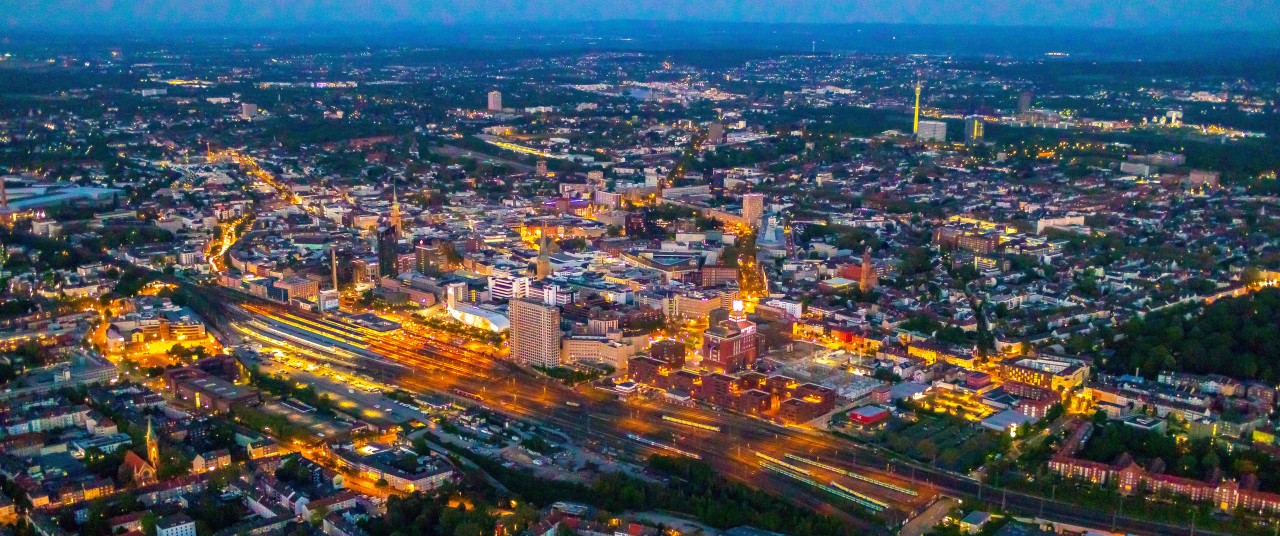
x: 377, y: 406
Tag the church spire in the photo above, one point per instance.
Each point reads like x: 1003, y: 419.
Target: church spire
x: 153, y: 449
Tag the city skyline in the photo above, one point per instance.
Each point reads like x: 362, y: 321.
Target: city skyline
x: 1176, y: 15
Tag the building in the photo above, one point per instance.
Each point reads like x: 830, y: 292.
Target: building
x: 973, y: 130
x: 495, y: 101
x: 715, y: 133
x: 867, y: 280
x: 248, y: 110
x: 430, y: 259
x: 178, y: 524
x: 932, y: 131
x: 388, y: 265
x: 535, y: 333
x: 868, y: 415
x: 505, y: 286
x: 729, y: 345
x: 1024, y: 101
x: 543, y: 269
x: 753, y: 208
x: 541, y: 167
x: 401, y: 469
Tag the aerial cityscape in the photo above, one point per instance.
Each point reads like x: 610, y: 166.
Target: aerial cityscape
x: 625, y: 268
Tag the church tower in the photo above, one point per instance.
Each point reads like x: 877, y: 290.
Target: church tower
x: 544, y: 258
x: 395, y: 211
x: 153, y: 449
x: 868, y: 280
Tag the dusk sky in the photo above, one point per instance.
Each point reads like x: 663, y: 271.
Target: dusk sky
x: 1172, y: 14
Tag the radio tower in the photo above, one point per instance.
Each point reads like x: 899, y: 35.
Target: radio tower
x: 915, y: 124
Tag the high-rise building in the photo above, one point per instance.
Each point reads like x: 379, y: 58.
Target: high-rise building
x: 753, y: 208
x: 535, y: 332
x: 973, y: 127
x: 387, y: 254
x: 932, y: 131
x: 248, y: 110
x: 429, y: 258
x: 717, y: 183
x: 541, y: 168
x: 1024, y: 101
x: 495, y: 100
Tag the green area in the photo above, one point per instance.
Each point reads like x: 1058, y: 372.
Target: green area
x: 942, y: 441
x: 1233, y: 336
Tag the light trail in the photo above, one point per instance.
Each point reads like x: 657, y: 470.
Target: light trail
x: 783, y: 464
x: 665, y: 447
x: 853, y: 475
x: 693, y: 424
x: 842, y: 493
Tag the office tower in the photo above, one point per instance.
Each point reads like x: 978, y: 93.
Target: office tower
x: 868, y: 280
x: 495, y: 101
x: 429, y: 258
x: 717, y: 183
x: 915, y: 124
x: 753, y: 208
x: 248, y: 110
x: 535, y: 332
x: 932, y: 131
x: 973, y: 126
x: 1024, y: 101
x: 387, y: 255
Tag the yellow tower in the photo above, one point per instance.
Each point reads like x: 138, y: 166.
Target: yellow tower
x: 915, y: 125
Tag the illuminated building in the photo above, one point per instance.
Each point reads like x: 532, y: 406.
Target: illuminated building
x: 543, y: 269
x: 753, y: 208
x: 973, y: 130
x: 535, y: 332
x: 915, y: 123
x: 729, y: 344
x: 867, y: 280
x: 495, y: 101
x: 505, y: 286
x: 1056, y: 376
x: 395, y: 211
x: 931, y: 131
